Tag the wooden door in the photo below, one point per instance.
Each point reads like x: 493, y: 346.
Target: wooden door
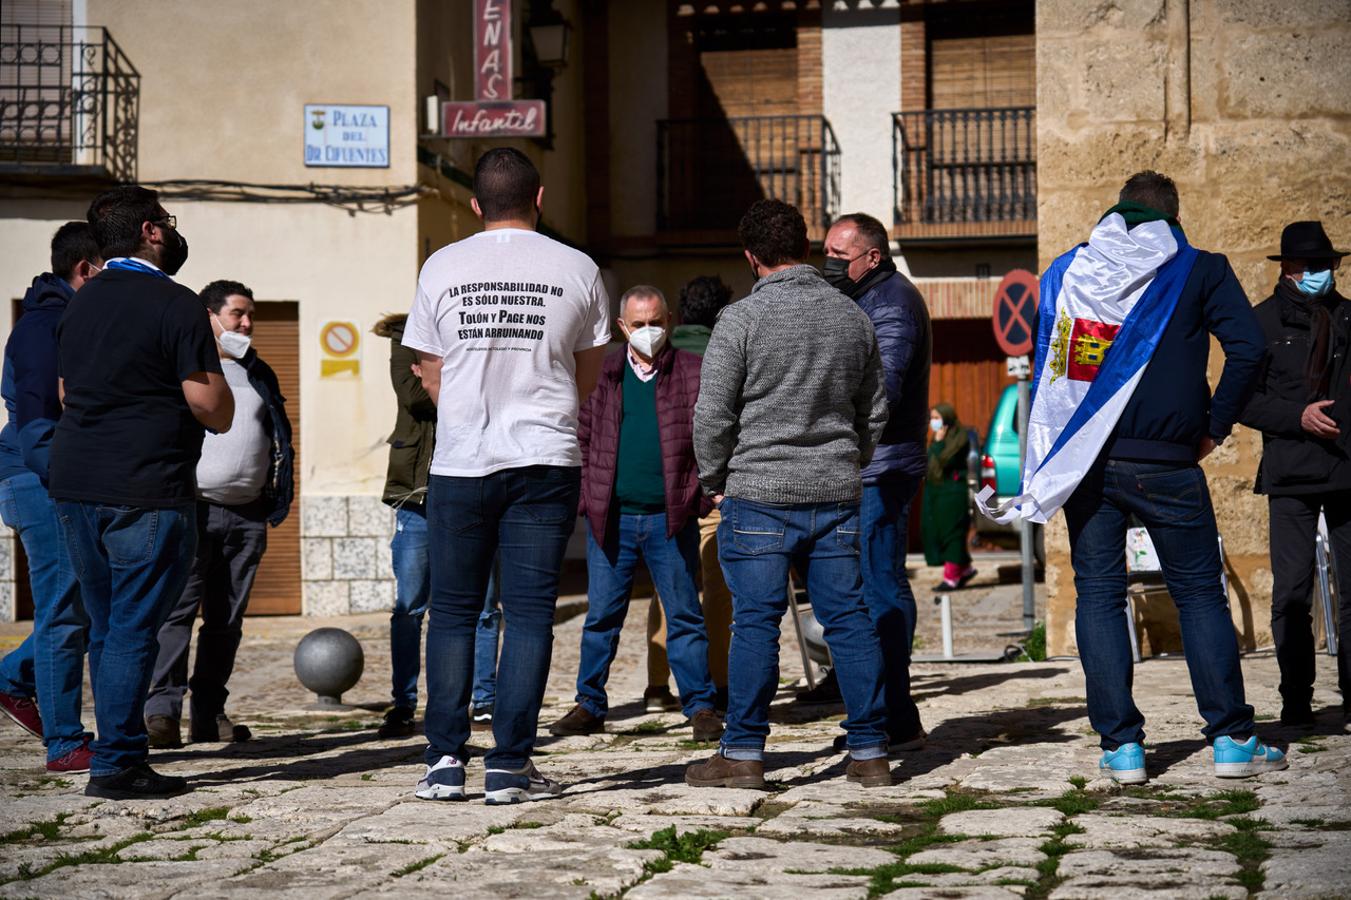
x: 276, y: 337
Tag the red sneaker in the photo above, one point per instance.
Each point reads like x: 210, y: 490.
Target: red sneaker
x: 76, y: 760
x: 24, y: 711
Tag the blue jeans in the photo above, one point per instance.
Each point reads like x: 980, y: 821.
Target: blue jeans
x: 49, y: 664
x: 885, y: 518
x: 1174, y: 504
x: 133, y: 564
x: 674, y: 565
x: 756, y: 544
x: 412, y: 578
x: 523, y: 517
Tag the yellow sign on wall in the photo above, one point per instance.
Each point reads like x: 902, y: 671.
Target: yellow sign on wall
x: 340, y: 349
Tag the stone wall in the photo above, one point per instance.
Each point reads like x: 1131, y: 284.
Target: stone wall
x: 345, y: 558
x: 1247, y: 105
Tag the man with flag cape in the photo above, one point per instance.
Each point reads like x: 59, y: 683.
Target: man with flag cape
x: 1121, y: 416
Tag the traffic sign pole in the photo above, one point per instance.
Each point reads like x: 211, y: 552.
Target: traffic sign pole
x: 1015, y: 304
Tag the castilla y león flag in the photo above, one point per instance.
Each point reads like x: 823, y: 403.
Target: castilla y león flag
x: 1104, y: 306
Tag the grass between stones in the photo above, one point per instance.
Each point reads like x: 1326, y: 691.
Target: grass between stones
x: 47, y: 831
x: 417, y: 866
x: 1250, y: 848
x: 687, y: 848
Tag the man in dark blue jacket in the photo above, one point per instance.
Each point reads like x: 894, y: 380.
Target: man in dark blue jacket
x: 858, y: 262
x: 49, y: 665
x: 1149, y: 468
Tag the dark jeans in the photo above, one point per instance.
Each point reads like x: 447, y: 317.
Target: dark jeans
x: 49, y: 664
x: 756, y: 544
x: 1173, y: 503
x: 1294, y: 529
x: 132, y: 564
x: 524, y: 517
x: 230, y: 544
x: 674, y: 565
x: 412, y: 580
x: 885, y: 519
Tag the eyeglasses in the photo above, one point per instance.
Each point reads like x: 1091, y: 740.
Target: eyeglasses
x: 171, y: 221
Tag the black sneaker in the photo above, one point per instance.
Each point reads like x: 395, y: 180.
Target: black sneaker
x: 139, y: 782
x: 660, y: 699
x: 481, y: 718
x: 1298, y: 717
x: 398, y: 723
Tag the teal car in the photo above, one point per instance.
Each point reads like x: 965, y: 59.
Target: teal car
x: 998, y: 466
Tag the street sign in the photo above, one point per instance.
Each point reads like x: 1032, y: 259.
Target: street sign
x: 1015, y: 306
x: 1018, y: 366
x: 340, y: 344
x: 346, y: 135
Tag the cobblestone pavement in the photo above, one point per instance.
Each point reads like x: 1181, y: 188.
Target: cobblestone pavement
x: 1003, y: 802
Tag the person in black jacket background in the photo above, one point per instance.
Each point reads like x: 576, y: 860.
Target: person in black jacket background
x: 858, y: 262
x: 1299, y: 406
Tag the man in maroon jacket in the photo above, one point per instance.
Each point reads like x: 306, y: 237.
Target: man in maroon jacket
x: 641, y: 498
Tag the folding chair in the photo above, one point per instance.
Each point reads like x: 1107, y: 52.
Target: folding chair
x: 1326, y: 567
x: 1144, y: 577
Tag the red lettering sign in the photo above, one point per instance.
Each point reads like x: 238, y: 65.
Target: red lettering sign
x: 516, y: 118
x: 492, y: 49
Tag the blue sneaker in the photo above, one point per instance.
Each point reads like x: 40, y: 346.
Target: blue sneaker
x: 443, y: 781
x: 1125, y: 764
x: 503, y: 786
x: 1252, y: 757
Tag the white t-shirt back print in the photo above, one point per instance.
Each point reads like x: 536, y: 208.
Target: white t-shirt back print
x: 506, y: 310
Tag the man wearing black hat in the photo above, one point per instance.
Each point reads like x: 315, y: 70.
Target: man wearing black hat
x: 1302, y: 405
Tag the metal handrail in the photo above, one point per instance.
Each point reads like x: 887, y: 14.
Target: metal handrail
x: 965, y: 165
x: 709, y: 169
x: 69, y: 99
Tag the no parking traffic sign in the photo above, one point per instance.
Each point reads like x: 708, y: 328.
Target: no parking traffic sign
x: 1015, y: 305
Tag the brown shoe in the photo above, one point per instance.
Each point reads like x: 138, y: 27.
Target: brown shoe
x: 869, y: 772
x: 719, y: 771
x: 164, y: 731
x: 578, y: 721
x: 707, y: 726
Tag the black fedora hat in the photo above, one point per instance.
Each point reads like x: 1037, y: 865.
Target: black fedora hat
x: 1306, y: 240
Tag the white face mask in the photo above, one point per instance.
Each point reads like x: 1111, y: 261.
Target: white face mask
x: 935, y: 425
x: 648, y: 339
x: 234, y: 344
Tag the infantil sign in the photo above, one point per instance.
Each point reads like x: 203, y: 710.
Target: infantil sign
x: 346, y: 136
x: 493, y: 112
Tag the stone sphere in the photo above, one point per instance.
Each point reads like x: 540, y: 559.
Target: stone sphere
x: 329, y: 661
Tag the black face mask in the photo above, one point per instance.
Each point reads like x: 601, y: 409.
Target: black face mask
x: 175, y: 252
x: 836, y: 271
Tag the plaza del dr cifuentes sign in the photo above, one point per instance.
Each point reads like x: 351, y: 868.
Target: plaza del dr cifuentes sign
x: 493, y: 113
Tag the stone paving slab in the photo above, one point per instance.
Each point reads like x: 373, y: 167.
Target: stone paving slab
x: 319, y: 806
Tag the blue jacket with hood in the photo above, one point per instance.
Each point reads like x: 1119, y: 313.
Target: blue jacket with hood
x: 29, y: 382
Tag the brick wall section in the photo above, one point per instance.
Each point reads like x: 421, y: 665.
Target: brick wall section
x: 345, y: 559
x: 1245, y: 106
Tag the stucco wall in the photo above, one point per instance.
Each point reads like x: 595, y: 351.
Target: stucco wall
x: 1247, y: 105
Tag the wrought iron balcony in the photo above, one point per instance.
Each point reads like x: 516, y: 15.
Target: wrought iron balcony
x: 69, y: 103
x: 710, y: 170
x: 965, y: 172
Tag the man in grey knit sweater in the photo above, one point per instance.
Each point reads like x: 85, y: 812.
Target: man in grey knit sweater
x: 791, y: 404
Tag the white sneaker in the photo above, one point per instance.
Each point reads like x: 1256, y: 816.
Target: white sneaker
x: 443, y: 781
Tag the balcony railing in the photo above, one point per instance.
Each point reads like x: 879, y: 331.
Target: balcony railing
x: 965, y: 172
x: 710, y: 170
x: 69, y: 102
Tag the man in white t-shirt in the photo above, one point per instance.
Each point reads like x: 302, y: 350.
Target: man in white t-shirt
x: 510, y: 327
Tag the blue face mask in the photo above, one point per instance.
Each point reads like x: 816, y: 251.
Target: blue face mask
x: 1316, y: 284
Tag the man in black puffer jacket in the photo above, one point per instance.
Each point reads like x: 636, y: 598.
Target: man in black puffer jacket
x: 1300, y: 406
x: 858, y: 263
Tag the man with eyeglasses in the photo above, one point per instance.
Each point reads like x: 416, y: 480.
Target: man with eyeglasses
x: 1302, y: 405
x: 141, y: 380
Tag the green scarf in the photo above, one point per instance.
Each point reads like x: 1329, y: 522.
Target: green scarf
x: 954, y: 441
x: 1138, y: 214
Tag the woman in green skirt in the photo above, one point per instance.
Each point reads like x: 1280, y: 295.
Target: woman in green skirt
x: 947, y: 509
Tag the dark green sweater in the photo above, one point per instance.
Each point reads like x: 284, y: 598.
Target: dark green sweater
x: 640, y: 486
